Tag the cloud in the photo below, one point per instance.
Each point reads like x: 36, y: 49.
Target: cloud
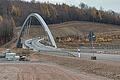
x: 106, y: 4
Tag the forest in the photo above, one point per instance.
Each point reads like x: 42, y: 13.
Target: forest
x: 14, y: 12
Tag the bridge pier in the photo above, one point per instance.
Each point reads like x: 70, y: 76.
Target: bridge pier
x: 19, y: 44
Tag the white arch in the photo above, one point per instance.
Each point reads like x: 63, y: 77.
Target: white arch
x: 44, y: 25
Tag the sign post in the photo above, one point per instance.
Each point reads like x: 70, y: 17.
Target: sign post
x: 92, y: 38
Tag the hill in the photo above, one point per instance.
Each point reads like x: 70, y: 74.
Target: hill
x: 74, y: 33
x: 78, y: 27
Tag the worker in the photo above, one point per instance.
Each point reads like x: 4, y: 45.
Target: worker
x: 78, y: 52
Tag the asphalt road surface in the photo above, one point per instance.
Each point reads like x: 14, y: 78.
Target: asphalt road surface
x: 37, y: 46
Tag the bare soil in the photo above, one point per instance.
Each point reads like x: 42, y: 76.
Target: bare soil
x: 108, y: 69
x: 44, y: 66
x: 75, y: 28
x: 41, y: 71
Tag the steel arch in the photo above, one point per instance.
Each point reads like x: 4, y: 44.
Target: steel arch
x: 44, y: 25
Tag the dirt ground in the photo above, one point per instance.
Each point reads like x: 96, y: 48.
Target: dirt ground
x: 41, y: 71
x: 107, y: 69
x: 44, y: 66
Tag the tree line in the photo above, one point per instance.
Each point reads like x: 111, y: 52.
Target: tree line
x: 7, y: 23
x: 6, y: 30
x: 58, y: 13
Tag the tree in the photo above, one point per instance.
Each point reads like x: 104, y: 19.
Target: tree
x: 56, y: 13
x: 83, y: 5
x: 6, y: 31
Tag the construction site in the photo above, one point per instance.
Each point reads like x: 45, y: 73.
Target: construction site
x: 59, y: 40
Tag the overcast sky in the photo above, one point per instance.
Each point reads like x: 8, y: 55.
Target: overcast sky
x: 106, y: 4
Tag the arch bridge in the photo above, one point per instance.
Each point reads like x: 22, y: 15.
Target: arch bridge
x: 44, y: 26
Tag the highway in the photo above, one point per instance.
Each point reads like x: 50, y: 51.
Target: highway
x: 110, y: 57
x: 37, y: 46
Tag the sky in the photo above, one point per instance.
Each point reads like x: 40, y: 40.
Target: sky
x: 105, y: 4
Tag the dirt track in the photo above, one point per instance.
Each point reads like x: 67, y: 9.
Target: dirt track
x: 40, y: 71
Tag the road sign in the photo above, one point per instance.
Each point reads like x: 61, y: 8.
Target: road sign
x: 91, y: 36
